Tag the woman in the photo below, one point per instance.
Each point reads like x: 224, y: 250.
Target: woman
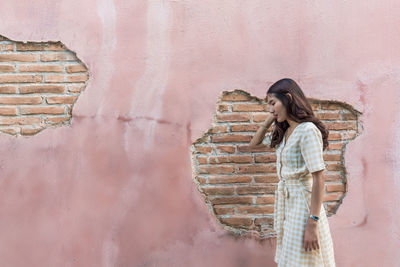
x: 300, y: 221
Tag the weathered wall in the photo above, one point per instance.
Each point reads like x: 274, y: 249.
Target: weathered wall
x: 115, y: 188
x: 239, y: 182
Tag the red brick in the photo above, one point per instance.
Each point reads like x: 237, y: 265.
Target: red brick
x: 349, y: 116
x: 20, y: 100
x: 20, y: 120
x: 231, y: 159
x: 255, y: 210
x: 219, y: 190
x: 245, y: 128
x: 233, y: 117
x: 225, y: 149
x: 334, y: 177
x: 229, y: 179
x: 7, y: 68
x: 61, y: 99
x: 6, y: 47
x: 335, y: 146
x: 232, y: 200
x: 334, y: 136
x: 332, y: 157
x: 12, y: 131
x: 53, y: 120
x: 55, y: 78
x: 236, y: 96
x: 331, y: 106
x: 348, y: 135
x: 264, y: 221
x: 43, y: 110
x: 260, y: 117
x: 265, y: 200
x: 332, y: 196
x: 203, y: 149
x: 219, y: 129
x: 8, y: 111
x: 30, y: 46
x: 272, y: 178
x: 40, y: 68
x: 351, y: 125
x: 247, y: 107
x: 75, y: 68
x: 230, y: 138
x: 201, y: 160
x: 217, y: 169
x: 328, y: 116
x: 335, y: 188
x: 331, y: 207
x: 256, y: 168
x: 315, y: 106
x: 45, y: 88
x: 30, y: 131
x: 265, y: 158
x: 76, y: 88
x: 223, y: 108
x: 19, y: 78
x: 258, y: 148
x: 241, y: 190
x: 235, y: 222
x: 57, y: 56
x: 19, y: 57
x: 220, y: 210
x: 334, y: 167
x: 201, y: 179
x: 77, y: 78
x: 8, y: 89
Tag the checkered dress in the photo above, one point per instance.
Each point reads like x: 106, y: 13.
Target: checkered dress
x: 296, y: 160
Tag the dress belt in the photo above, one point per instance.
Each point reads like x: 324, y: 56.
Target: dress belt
x: 281, y: 194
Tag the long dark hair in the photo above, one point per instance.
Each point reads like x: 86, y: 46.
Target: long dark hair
x: 298, y: 109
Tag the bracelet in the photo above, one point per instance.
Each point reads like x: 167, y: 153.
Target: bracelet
x: 315, y: 218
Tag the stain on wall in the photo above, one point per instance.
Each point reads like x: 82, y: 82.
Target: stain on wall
x: 39, y: 85
x: 238, y: 182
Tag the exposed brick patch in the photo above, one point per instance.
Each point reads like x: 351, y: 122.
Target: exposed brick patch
x: 238, y: 183
x: 39, y: 85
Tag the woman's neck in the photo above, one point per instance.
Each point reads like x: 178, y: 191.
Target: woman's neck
x: 292, y: 124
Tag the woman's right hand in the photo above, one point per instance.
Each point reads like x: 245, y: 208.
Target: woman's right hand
x: 270, y: 118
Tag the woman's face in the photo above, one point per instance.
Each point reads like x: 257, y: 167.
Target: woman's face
x: 276, y: 107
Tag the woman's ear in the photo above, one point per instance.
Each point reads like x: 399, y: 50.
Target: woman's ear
x: 290, y: 97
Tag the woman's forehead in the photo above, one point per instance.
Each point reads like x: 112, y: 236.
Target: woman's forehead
x: 270, y: 97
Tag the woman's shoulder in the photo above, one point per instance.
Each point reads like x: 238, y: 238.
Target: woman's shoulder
x: 309, y: 128
x: 308, y: 125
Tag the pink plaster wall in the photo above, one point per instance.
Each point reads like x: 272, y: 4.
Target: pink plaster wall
x: 115, y: 188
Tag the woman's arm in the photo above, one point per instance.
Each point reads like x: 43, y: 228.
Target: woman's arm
x: 260, y: 134
x: 316, y: 195
x: 311, y: 146
x: 311, y: 236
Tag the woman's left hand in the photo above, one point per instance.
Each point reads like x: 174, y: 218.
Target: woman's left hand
x: 311, y: 237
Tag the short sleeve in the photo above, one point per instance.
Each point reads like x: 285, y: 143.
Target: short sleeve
x: 311, y: 146
x: 267, y: 139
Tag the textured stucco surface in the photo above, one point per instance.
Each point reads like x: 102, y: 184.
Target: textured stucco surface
x: 115, y: 188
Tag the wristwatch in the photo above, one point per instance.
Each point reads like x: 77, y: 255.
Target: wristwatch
x: 315, y: 218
